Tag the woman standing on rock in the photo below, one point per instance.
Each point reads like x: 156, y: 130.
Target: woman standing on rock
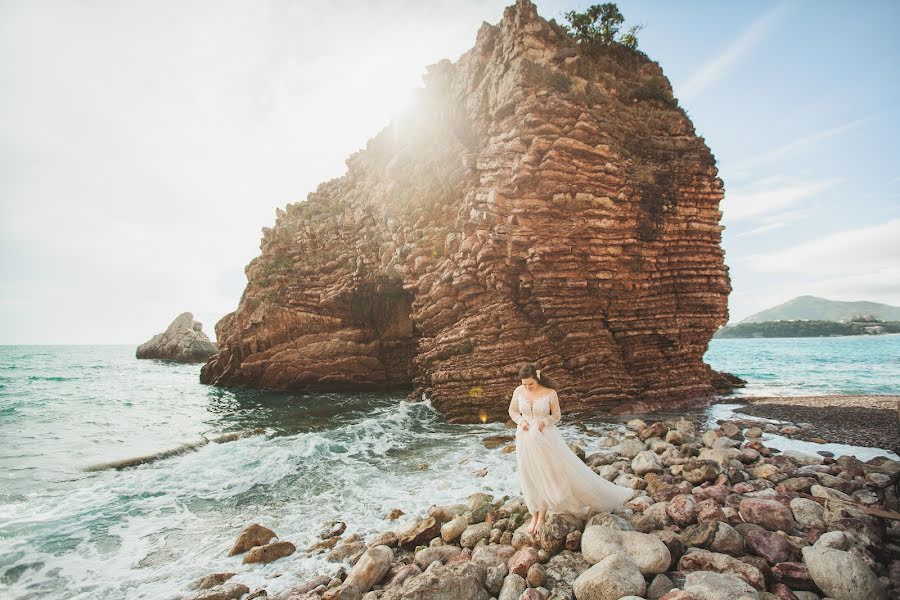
x: 551, y: 474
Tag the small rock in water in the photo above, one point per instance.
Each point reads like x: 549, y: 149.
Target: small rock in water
x: 269, y: 552
x: 204, y: 583
x: 332, y: 529
x: 251, y: 536
x: 182, y: 341
x: 225, y: 591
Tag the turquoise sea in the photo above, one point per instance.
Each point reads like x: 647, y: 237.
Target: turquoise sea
x: 145, y: 532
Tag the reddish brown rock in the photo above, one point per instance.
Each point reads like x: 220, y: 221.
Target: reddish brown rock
x: 703, y: 560
x: 771, y: 514
x: 795, y: 575
x: 783, y: 592
x: 682, y: 509
x: 419, y: 532
x: 533, y: 198
x: 269, y: 552
x: 708, y: 510
x: 771, y: 546
x: 521, y: 561
x: 252, y: 535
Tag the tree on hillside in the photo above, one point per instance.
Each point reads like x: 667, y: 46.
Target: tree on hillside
x: 599, y: 25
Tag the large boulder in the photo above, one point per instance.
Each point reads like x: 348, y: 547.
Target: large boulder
x: 456, y: 581
x: 647, y: 551
x: 842, y: 575
x: 562, y: 569
x: 703, y: 560
x: 771, y: 514
x: 370, y: 568
x: 182, y: 341
x: 610, y: 579
x: 707, y: 585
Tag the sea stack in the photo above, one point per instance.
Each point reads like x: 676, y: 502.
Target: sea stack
x: 182, y: 341
x: 537, y: 203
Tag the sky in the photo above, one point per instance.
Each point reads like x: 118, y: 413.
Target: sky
x: 144, y: 145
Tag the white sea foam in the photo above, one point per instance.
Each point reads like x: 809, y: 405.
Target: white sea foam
x: 146, y: 532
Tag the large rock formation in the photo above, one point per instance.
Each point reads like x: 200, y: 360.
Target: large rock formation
x: 537, y: 203
x: 182, y: 341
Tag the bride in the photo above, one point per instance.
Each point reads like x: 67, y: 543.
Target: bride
x: 551, y: 474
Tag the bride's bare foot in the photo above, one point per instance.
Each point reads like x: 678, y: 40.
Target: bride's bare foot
x: 532, y: 527
x: 540, y: 523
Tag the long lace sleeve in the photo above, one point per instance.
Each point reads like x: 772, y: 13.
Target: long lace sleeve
x: 554, y: 416
x: 514, y: 412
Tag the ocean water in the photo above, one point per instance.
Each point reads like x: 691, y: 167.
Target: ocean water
x: 811, y: 366
x: 145, y: 532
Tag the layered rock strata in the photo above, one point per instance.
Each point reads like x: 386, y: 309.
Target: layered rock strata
x: 535, y: 204
x: 182, y: 341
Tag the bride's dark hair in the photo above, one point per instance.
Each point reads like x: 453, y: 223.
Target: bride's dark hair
x: 530, y: 370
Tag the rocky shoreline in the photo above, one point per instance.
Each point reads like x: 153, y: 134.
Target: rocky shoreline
x: 716, y: 515
x: 870, y: 421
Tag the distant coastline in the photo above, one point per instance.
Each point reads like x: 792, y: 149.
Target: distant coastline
x: 807, y: 328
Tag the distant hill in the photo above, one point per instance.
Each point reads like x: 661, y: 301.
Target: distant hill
x: 819, y: 309
x: 805, y: 328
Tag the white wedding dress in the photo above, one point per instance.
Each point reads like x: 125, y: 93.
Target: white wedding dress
x: 551, y: 474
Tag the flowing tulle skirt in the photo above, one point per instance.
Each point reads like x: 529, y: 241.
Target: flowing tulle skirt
x: 554, y: 478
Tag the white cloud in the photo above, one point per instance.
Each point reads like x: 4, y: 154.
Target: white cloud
x: 743, y: 165
x: 859, y: 253
x: 723, y: 63
x: 856, y: 264
x: 770, y: 195
x: 776, y: 221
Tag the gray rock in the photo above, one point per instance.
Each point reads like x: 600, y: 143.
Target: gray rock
x: 457, y: 581
x: 836, y: 540
x: 820, y: 491
x: 646, y: 462
x: 807, y: 512
x: 562, y: 570
x: 513, y: 586
x: 495, y: 576
x: 727, y: 540
x: 610, y: 579
x: 706, y: 585
x: 842, y: 575
x: 659, y: 587
x: 630, y: 447
x: 182, y: 341
x: 648, y: 552
x: 473, y: 533
x: 225, y: 591
x: 204, y: 583
x: 610, y: 520
x: 371, y: 567
x: 426, y: 556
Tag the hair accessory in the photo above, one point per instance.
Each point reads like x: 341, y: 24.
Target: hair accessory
x: 538, y: 373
